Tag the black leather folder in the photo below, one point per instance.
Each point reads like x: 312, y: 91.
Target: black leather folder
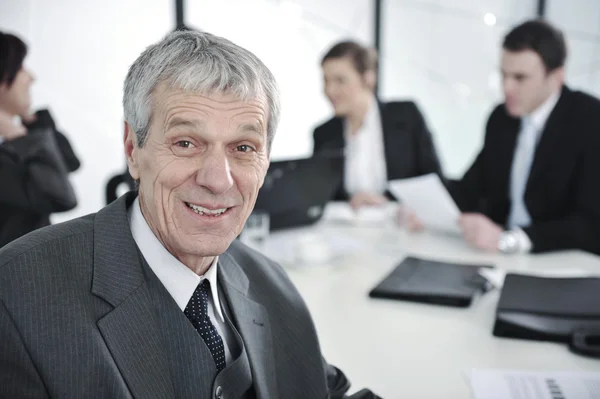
x: 428, y: 281
x: 551, y: 309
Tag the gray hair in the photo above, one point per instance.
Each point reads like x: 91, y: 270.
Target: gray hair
x: 197, y: 62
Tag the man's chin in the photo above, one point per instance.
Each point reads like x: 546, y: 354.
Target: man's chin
x: 340, y: 112
x: 513, y: 111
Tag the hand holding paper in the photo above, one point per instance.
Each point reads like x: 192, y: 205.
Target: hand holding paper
x: 429, y: 199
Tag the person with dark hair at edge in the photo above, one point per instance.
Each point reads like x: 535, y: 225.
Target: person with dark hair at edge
x: 35, y: 158
x: 382, y: 141
x: 534, y: 185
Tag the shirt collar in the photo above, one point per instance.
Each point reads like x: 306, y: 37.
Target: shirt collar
x: 372, y: 118
x: 177, y: 278
x: 539, y: 117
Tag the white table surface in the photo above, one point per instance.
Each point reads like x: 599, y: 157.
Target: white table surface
x: 401, y: 349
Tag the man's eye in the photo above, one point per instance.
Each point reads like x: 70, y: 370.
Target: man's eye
x: 244, y: 148
x: 184, y: 144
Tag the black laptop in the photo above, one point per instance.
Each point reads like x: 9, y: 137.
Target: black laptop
x: 296, y: 191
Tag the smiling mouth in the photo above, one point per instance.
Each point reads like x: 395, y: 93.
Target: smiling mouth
x: 205, y: 211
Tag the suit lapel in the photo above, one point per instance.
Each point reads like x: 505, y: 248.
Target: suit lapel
x: 130, y: 330
x: 193, y: 368
x: 336, y: 141
x: 389, y: 146
x: 252, y: 322
x: 504, y: 156
x: 550, y: 137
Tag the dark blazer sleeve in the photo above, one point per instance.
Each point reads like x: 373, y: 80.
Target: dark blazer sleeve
x: 44, y: 120
x: 338, y: 385
x: 33, y: 174
x: 18, y: 376
x: 580, y: 227
x: 318, y: 141
x: 427, y: 157
x: 329, y: 139
x: 469, y: 191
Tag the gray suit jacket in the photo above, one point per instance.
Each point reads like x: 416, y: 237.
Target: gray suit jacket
x: 79, y: 318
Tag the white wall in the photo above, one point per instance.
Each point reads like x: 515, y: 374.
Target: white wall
x: 290, y: 37
x: 80, y: 51
x: 443, y: 55
x: 438, y: 52
x: 580, y: 22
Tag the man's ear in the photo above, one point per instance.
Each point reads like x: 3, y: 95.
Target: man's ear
x: 559, y: 76
x: 262, y: 181
x: 370, y: 79
x: 131, y: 150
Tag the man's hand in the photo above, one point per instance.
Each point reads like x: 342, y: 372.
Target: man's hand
x: 366, y: 199
x: 407, y: 217
x: 480, y: 232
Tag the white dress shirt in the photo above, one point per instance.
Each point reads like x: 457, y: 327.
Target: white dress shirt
x: 532, y: 126
x: 177, y: 278
x: 365, y: 167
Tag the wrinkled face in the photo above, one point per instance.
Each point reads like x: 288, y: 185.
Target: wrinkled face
x: 525, y: 81
x: 344, y: 86
x: 16, y: 99
x: 200, y: 169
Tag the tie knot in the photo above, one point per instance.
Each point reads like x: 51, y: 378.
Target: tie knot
x: 197, y: 306
x: 204, y: 287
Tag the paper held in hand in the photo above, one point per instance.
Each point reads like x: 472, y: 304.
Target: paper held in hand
x: 429, y: 199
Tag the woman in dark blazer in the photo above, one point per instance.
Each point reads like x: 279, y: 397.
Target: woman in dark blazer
x: 381, y: 141
x: 35, y: 158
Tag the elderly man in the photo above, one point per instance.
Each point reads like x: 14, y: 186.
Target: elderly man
x: 151, y: 297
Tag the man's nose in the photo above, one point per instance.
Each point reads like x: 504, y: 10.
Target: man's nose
x: 215, y: 172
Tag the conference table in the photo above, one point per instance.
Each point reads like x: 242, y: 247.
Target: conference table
x: 402, y: 349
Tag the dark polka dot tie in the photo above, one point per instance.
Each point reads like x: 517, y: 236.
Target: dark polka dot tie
x: 197, y: 311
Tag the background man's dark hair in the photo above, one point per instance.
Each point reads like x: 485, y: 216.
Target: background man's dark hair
x: 541, y: 37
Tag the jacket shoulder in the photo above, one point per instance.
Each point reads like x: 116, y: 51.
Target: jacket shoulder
x: 272, y: 278
x: 51, y: 242
x: 329, y: 125
x: 584, y: 102
x: 400, y: 104
x: 499, y: 112
x: 498, y: 119
x: 400, y: 107
x: 400, y: 111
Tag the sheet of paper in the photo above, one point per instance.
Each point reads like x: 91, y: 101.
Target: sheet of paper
x: 429, y: 199
x: 341, y: 212
x: 516, y: 384
x: 338, y: 211
x: 299, y: 247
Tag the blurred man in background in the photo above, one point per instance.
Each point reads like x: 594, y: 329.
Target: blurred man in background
x: 534, y: 186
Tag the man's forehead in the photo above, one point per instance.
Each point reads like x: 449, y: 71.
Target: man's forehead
x: 168, y: 97
x: 526, y: 59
